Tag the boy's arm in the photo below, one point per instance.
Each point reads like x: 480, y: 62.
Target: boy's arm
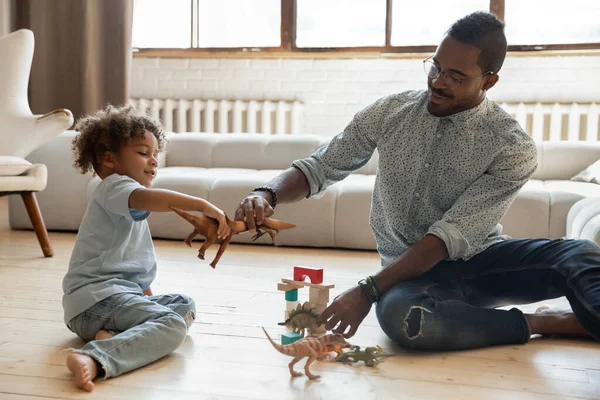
x: 160, y: 200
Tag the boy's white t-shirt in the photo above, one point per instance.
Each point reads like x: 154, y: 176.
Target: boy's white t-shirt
x: 113, y: 251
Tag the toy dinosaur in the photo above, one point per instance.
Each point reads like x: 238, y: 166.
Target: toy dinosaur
x: 207, y: 227
x: 328, y: 348
x: 370, y: 355
x: 302, y: 319
x: 315, y: 348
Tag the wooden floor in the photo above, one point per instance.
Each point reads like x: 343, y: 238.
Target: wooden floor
x: 226, y: 355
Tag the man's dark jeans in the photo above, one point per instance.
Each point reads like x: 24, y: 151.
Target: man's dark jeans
x: 452, y: 307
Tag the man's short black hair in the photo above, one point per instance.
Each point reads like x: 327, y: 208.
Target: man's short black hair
x: 486, y: 32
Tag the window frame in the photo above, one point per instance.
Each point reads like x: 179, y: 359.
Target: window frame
x: 288, y: 42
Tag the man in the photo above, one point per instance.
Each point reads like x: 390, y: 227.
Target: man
x: 451, y: 163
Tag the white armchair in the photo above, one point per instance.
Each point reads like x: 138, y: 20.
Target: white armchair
x: 21, y: 132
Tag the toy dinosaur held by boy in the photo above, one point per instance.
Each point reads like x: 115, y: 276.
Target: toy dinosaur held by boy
x: 207, y: 227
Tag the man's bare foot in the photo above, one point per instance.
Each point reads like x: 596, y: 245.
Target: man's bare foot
x: 84, y: 369
x: 549, y: 321
x: 102, y: 334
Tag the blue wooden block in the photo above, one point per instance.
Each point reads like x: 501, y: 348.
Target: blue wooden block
x: 289, y: 338
x: 291, y: 295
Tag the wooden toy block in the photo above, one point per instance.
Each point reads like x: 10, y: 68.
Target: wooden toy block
x: 314, y: 274
x: 291, y: 295
x: 291, y: 305
x: 289, y: 338
x: 307, y: 284
x: 320, y: 329
x: 318, y: 296
x: 319, y: 308
x: 284, y: 287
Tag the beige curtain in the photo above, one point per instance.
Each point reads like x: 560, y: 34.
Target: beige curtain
x: 82, y: 55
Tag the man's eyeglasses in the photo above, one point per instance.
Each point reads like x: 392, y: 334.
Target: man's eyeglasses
x: 451, y: 79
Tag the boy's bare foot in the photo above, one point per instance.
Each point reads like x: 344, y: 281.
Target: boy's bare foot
x: 548, y: 321
x: 84, y: 370
x: 102, y: 334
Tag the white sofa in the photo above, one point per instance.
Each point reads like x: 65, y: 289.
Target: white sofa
x: 223, y: 168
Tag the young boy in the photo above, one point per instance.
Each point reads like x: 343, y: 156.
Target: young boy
x: 113, y: 261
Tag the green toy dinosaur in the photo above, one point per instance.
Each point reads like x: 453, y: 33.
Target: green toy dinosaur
x: 302, y: 319
x: 370, y: 355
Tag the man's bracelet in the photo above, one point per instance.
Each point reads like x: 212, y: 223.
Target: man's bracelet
x: 270, y: 190
x: 370, y: 289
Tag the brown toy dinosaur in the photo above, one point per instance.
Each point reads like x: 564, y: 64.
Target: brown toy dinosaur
x: 315, y: 348
x: 207, y: 227
x: 302, y: 320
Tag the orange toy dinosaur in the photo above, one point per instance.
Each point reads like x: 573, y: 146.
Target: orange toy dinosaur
x: 207, y: 227
x: 328, y: 348
x: 315, y: 348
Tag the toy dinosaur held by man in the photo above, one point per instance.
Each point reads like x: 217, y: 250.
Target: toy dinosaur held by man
x: 207, y: 227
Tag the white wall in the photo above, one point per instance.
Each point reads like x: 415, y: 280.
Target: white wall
x: 333, y: 90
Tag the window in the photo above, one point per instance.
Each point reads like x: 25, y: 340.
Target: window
x: 380, y: 26
x: 239, y: 23
x: 160, y: 24
x: 556, y: 22
x: 357, y: 23
x: 425, y: 22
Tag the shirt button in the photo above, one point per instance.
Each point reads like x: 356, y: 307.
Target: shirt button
x: 439, y: 135
x: 417, y: 194
x: 426, y: 165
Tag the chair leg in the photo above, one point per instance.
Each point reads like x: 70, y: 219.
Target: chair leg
x: 33, y: 209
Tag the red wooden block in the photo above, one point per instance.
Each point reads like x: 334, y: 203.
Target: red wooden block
x: 314, y: 274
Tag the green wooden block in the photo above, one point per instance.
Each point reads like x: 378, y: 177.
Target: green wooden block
x: 291, y: 295
x: 289, y: 338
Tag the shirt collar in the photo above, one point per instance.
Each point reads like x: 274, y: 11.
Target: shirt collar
x: 462, y: 118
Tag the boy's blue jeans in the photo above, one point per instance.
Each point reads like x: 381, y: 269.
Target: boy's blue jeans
x: 451, y: 307
x: 147, y: 328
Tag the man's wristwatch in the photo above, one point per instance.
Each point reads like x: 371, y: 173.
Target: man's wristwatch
x: 370, y: 289
x: 270, y: 190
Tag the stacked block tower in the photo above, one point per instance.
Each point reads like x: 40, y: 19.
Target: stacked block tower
x: 318, y: 292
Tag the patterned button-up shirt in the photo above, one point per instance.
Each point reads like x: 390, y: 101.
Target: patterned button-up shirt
x: 453, y: 177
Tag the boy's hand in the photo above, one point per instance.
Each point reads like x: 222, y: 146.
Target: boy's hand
x: 224, y: 229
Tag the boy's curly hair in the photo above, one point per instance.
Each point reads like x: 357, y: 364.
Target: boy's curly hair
x: 109, y: 129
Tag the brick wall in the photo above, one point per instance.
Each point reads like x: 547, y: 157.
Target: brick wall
x: 333, y: 90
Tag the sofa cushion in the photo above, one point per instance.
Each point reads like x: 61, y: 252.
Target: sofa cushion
x: 563, y: 160
x: 13, y: 166
x: 529, y: 214
x: 591, y: 174
x: 352, y: 229
x: 253, y: 151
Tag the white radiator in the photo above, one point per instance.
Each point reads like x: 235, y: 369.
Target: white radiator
x: 557, y: 122
x: 224, y: 116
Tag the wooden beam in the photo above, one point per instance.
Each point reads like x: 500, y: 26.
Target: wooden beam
x: 288, y: 25
x: 307, y: 284
x: 388, y: 23
x: 497, y: 8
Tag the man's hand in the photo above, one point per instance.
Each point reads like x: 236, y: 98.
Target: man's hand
x: 254, y: 209
x: 348, y: 309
